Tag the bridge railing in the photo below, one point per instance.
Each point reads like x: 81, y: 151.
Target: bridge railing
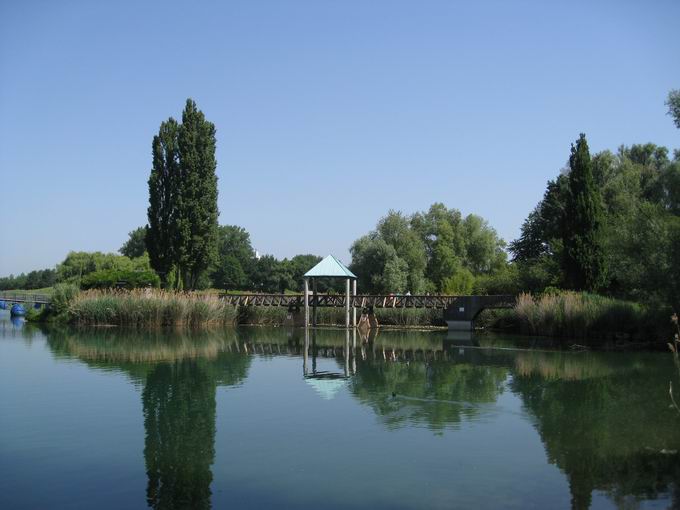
x: 17, y: 297
x: 359, y: 301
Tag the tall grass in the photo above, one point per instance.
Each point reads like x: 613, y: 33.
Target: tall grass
x: 262, y: 315
x: 158, y: 308
x: 149, y: 308
x: 582, y: 315
x: 410, y: 317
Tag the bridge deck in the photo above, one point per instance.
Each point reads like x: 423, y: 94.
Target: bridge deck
x: 361, y: 301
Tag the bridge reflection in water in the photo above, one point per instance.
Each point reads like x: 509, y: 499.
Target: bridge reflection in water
x: 434, y: 379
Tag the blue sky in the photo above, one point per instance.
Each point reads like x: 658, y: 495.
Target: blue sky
x: 328, y: 114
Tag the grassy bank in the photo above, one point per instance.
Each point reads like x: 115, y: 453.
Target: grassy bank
x: 567, y: 315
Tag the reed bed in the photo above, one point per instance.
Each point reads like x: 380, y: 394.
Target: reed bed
x: 149, y: 308
x: 410, y: 317
x: 157, y: 308
x: 582, y: 315
x: 262, y: 315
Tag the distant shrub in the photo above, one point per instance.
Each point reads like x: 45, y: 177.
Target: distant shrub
x: 127, y: 279
x: 460, y: 283
x: 506, y: 281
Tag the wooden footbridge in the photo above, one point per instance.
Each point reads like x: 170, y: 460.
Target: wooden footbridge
x: 364, y: 301
x: 38, y: 299
x: 459, y: 311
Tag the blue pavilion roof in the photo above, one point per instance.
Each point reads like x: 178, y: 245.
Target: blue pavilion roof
x: 330, y: 267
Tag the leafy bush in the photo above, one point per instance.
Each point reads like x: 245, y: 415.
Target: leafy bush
x: 62, y: 297
x: 77, y: 265
x: 504, y: 281
x: 113, y: 278
x: 460, y: 283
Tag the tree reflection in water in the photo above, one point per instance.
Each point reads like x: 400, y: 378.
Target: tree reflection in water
x: 613, y: 432
x: 603, y: 418
x: 179, y: 419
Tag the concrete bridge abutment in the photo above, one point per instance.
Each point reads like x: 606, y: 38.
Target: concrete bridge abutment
x: 460, y: 315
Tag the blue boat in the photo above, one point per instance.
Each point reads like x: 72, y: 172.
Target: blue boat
x: 17, y: 310
x: 3, y: 305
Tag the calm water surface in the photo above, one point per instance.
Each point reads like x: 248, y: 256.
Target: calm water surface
x: 244, y: 419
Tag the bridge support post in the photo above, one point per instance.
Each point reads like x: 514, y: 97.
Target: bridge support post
x: 462, y: 311
x: 459, y: 316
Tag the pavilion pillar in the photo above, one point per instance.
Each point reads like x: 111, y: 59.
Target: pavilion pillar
x: 347, y: 299
x: 346, y: 352
x: 314, y: 302
x: 306, y: 302
x: 354, y: 306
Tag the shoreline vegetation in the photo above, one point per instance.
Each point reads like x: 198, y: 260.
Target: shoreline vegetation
x: 565, y: 315
x: 595, y: 261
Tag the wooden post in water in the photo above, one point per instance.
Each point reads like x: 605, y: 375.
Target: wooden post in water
x: 305, y: 352
x: 346, y: 353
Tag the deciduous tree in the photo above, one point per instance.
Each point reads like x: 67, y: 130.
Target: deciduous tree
x: 135, y: 246
x: 162, y: 236
x: 182, y: 232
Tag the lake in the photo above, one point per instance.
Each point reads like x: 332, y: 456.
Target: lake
x: 252, y: 418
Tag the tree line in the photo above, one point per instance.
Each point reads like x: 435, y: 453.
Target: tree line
x: 608, y: 223
x: 38, y: 279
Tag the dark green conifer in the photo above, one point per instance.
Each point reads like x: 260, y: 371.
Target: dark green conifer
x: 583, y: 259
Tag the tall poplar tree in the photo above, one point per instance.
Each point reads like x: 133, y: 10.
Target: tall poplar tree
x: 583, y: 257
x: 182, y: 233
x: 197, y: 197
x: 163, y: 198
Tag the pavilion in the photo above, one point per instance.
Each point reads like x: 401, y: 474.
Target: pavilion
x: 330, y: 267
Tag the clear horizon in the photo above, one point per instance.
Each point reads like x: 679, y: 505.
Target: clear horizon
x: 327, y: 115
